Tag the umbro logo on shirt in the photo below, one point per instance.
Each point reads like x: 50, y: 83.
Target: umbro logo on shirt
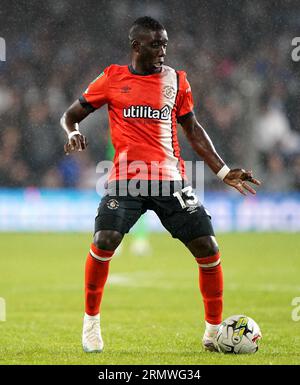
x: 125, y: 90
x: 147, y: 112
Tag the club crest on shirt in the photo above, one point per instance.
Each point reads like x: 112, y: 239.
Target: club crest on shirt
x: 169, y: 92
x: 112, y: 204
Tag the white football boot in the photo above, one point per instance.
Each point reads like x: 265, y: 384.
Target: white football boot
x: 91, y: 334
x: 209, y: 340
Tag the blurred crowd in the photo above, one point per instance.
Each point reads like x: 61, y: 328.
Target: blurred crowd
x: 237, y: 56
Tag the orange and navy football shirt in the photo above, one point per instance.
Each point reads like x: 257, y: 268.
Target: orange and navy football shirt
x: 143, y: 111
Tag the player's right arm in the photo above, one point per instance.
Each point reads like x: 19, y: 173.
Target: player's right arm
x: 70, y: 123
x: 95, y: 96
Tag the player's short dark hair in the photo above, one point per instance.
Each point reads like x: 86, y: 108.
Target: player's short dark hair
x: 145, y: 23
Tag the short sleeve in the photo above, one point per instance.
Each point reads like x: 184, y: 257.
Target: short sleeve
x: 96, y: 95
x: 185, y: 102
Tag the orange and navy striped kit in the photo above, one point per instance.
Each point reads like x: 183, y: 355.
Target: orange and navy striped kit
x: 143, y: 113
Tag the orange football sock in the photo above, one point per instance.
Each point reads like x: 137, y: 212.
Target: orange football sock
x: 96, y: 273
x: 211, y: 287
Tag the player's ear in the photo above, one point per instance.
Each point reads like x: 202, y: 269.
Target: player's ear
x: 135, y: 45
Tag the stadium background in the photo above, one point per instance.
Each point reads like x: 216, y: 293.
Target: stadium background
x: 238, y: 59
x: 246, y: 89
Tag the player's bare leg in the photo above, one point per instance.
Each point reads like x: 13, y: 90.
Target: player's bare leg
x: 206, y: 252
x: 96, y: 273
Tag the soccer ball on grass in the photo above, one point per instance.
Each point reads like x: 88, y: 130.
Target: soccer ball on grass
x: 238, y: 334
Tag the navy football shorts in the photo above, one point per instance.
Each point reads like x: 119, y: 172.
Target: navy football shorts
x: 177, y: 208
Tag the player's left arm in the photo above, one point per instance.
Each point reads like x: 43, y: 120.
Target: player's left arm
x: 203, y: 146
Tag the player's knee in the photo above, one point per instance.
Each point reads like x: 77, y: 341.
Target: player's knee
x: 203, y: 246
x: 107, y: 239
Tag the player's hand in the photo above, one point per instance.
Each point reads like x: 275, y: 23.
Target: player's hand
x: 238, y: 179
x: 76, y: 143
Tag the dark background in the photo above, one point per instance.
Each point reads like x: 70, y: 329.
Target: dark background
x: 237, y: 55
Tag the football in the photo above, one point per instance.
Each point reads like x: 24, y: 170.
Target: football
x: 238, y: 334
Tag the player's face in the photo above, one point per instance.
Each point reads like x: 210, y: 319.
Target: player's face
x: 152, y: 50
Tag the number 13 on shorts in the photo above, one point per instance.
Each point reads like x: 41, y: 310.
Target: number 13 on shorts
x: 190, y: 200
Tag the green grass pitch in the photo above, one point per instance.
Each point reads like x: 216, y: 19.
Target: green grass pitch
x: 152, y: 311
